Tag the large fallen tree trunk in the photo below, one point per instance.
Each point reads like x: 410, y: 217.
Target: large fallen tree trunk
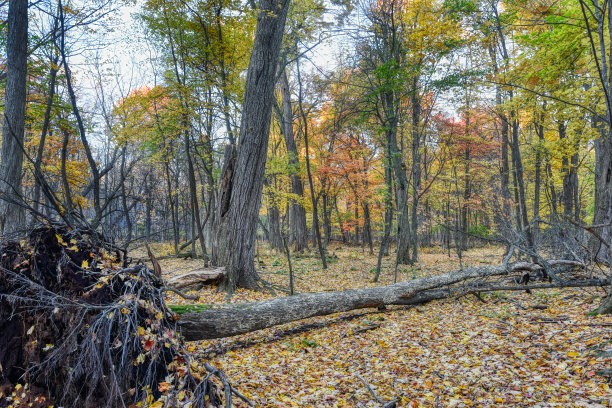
x: 225, y: 322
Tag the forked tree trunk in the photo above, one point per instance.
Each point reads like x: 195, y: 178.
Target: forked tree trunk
x: 238, y: 228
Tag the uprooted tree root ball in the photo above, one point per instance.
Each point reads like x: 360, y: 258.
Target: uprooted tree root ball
x: 78, y: 329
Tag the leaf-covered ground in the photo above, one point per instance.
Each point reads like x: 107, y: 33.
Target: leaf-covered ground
x: 514, y: 350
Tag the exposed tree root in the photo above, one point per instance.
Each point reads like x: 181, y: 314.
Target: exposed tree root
x: 91, y: 333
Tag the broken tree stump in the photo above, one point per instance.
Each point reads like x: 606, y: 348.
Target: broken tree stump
x: 196, y: 279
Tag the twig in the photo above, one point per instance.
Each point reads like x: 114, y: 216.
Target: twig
x: 370, y: 389
x: 181, y: 293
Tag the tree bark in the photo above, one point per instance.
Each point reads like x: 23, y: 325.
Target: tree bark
x: 367, y: 227
x: 12, y: 214
x: 238, y: 228
x: 274, y: 228
x: 298, y: 213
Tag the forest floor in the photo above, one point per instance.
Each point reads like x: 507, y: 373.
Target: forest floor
x: 512, y: 350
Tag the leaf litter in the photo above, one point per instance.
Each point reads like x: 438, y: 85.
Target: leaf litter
x: 515, y: 350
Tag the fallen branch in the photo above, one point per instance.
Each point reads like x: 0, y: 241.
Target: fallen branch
x: 196, y: 279
x: 181, y: 293
x: 370, y: 389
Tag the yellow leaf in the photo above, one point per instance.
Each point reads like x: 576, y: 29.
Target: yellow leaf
x: 140, y: 359
x: 85, y: 264
x: 572, y: 354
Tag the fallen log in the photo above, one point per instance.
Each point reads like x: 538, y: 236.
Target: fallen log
x: 533, y: 267
x: 240, y: 319
x: 196, y: 279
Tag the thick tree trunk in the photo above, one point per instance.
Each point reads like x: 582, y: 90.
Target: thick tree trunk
x: 298, y: 213
x: 238, y: 228
x: 603, y: 194
x: 275, y: 238
x: 605, y: 307
x: 12, y: 215
x: 215, y: 323
x: 401, y: 193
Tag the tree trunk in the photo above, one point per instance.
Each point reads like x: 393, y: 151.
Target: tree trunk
x: 315, y: 215
x: 298, y: 213
x: 172, y: 201
x: 195, y: 205
x: 12, y: 214
x: 149, y: 183
x: 93, y: 166
x: 275, y: 238
x: 388, y: 221
x: 125, y: 208
x: 518, y: 169
x: 216, y: 323
x: 45, y: 129
x: 416, y: 170
x: 567, y: 188
x: 367, y: 227
x: 603, y: 193
x: 238, y: 228
x: 539, y: 128
x: 401, y: 194
x: 327, y: 228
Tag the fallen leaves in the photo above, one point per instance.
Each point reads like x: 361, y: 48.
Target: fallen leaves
x: 451, y: 353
